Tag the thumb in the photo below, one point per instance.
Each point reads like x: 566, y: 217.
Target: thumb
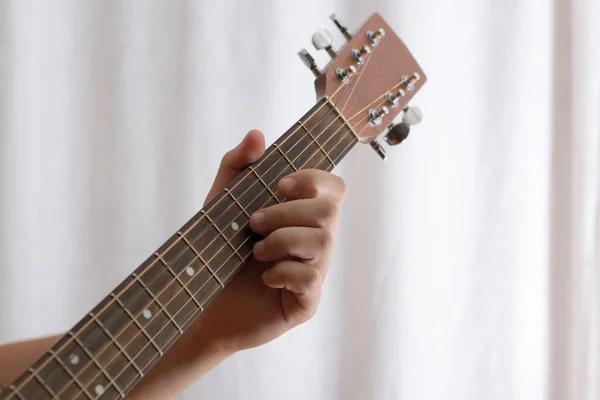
x: 250, y: 149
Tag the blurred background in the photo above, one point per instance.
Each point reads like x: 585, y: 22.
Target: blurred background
x: 467, y: 264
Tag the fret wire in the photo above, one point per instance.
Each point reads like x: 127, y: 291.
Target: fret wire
x: 199, y: 257
x: 71, y: 375
x: 183, y: 285
x: 162, y: 308
x: 316, y: 142
x: 260, y: 179
x: 118, y: 345
x: 16, y: 392
x: 139, y: 326
x: 218, y: 230
x: 190, y: 228
x: 42, y: 382
x: 91, y: 357
x: 237, y: 202
x: 285, y: 157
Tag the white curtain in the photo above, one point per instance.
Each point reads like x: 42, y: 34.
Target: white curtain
x: 467, y: 265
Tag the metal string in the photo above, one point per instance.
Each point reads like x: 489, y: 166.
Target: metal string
x: 149, y: 266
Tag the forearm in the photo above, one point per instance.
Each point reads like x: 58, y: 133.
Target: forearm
x: 181, y: 366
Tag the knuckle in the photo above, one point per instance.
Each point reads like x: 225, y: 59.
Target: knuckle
x: 327, y: 212
x: 280, y: 240
x: 313, y: 277
x: 325, y: 239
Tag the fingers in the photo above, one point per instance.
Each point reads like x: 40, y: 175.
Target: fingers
x: 294, y: 276
x: 250, y: 149
x: 311, y: 213
x: 303, y: 285
x: 308, y: 184
x: 310, y: 244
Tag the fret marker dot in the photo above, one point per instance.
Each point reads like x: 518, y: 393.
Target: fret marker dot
x: 235, y: 226
x: 190, y: 271
x: 99, y: 389
x: 74, y: 359
x: 147, y: 313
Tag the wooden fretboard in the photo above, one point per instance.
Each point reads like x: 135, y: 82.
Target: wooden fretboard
x: 106, y: 353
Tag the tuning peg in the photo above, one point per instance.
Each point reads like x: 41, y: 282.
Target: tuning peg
x: 378, y: 149
x: 374, y: 37
x: 399, y: 132
x: 376, y: 116
x: 310, y: 62
x: 340, y: 25
x: 324, y: 40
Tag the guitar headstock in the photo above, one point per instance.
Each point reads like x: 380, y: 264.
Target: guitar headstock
x: 370, y: 79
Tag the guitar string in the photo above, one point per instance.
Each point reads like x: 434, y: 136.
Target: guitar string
x: 241, y: 262
x: 316, y: 111
x: 186, y: 285
x: 355, y: 85
x: 366, y: 125
x: 358, y: 80
x: 15, y: 389
x: 340, y: 113
x: 218, y: 251
x: 110, y: 302
x: 245, y: 258
x: 402, y: 82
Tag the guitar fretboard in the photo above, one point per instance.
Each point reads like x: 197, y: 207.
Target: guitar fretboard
x: 109, y: 350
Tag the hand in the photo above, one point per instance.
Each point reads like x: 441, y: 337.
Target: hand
x: 280, y: 287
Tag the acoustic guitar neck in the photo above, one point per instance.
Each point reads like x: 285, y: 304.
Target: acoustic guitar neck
x: 366, y: 85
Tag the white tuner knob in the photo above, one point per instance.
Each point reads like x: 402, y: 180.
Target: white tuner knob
x: 323, y: 39
x: 412, y: 116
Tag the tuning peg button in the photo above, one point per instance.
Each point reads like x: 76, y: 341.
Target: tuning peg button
x: 399, y: 132
x: 412, y: 116
x: 323, y: 39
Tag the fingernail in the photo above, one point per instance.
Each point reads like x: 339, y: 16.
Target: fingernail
x: 259, y: 247
x: 257, y: 218
x: 287, y: 184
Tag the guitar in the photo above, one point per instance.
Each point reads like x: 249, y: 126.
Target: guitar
x: 360, y: 93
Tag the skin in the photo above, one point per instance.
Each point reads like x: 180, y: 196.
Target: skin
x: 279, y: 289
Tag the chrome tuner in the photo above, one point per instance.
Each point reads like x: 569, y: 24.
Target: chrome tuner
x: 324, y: 40
x: 409, y: 83
x: 399, y: 132
x: 359, y: 55
x: 376, y: 117
x: 310, y: 62
x: 345, y: 74
x: 379, y: 149
x: 340, y: 25
x: 392, y: 98
x: 374, y: 37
